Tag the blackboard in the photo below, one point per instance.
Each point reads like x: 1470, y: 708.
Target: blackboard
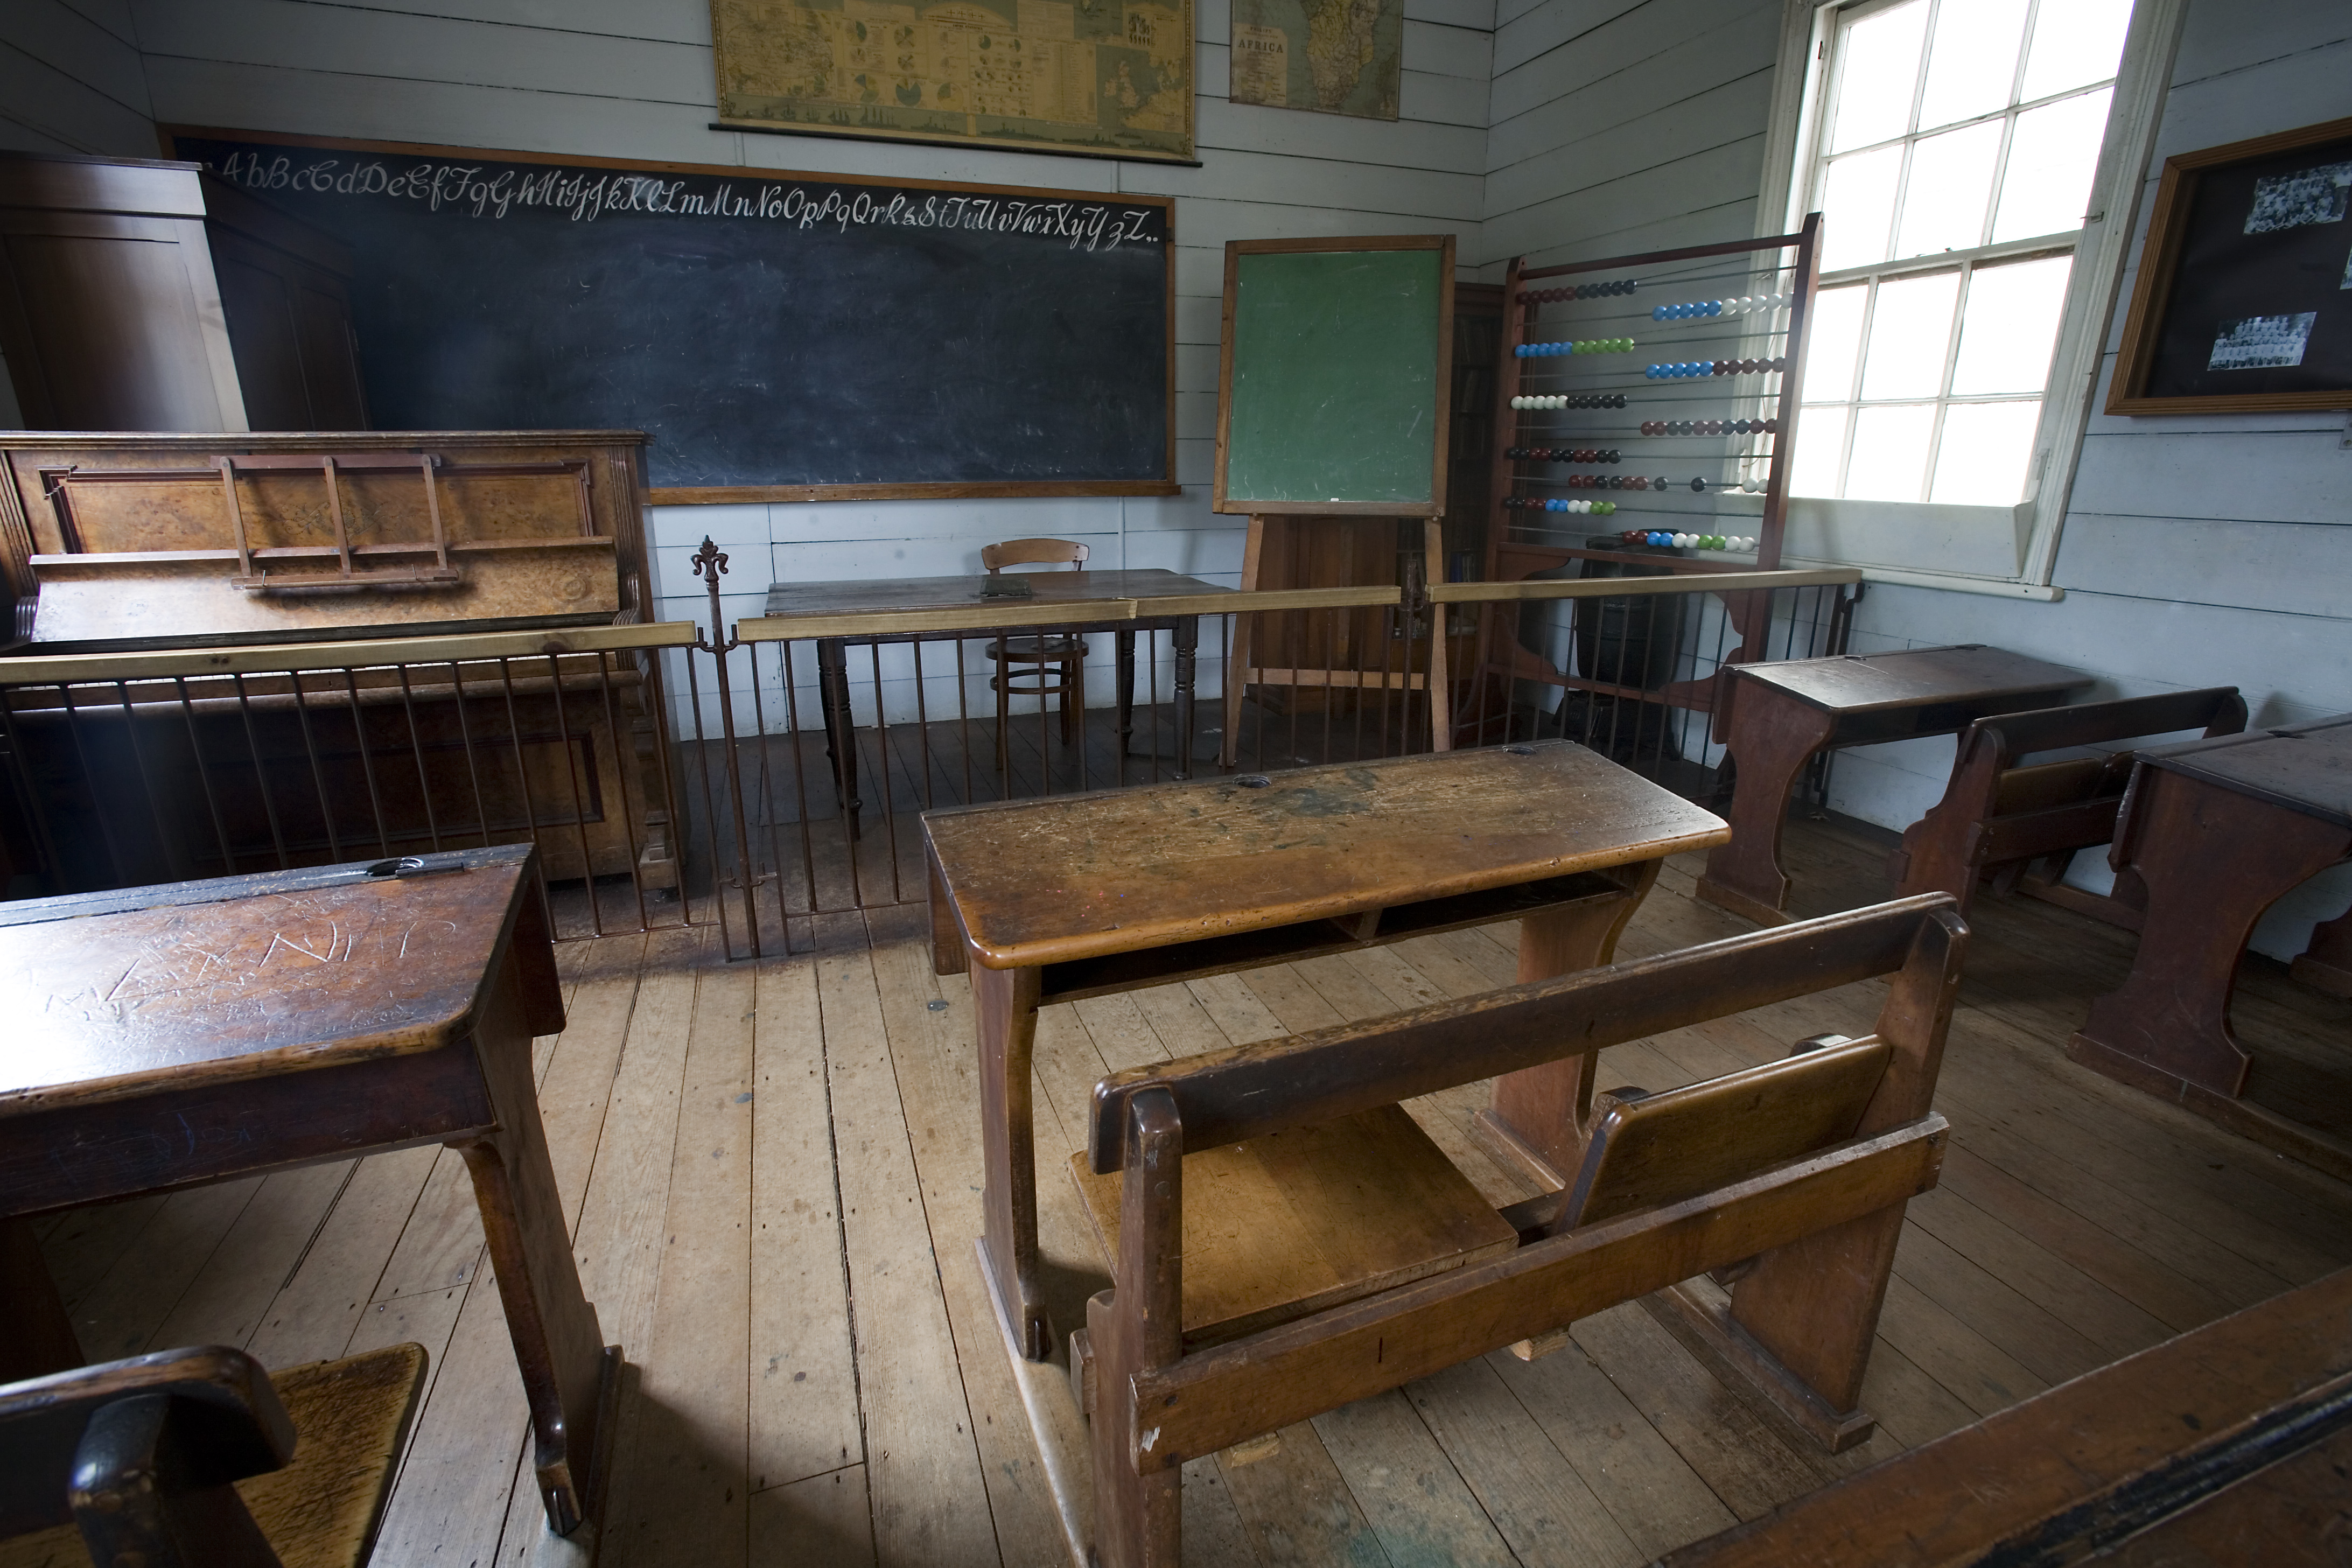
x: 2244, y: 299
x: 778, y: 336
x: 1334, y: 377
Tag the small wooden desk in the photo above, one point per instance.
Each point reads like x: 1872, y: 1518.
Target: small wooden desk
x: 1062, y: 601
x: 176, y: 1035
x: 1782, y: 714
x: 2226, y: 1444
x: 1051, y: 901
x: 2217, y: 831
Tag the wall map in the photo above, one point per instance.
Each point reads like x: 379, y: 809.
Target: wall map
x: 1106, y: 76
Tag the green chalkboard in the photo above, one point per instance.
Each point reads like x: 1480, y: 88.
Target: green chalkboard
x: 1333, y: 382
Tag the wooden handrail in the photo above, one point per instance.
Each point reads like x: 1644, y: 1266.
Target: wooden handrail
x: 66, y: 669
x: 1618, y: 588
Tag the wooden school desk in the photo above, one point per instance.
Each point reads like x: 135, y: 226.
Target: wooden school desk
x: 1055, y: 899
x: 2229, y: 1444
x: 921, y: 610
x: 2217, y: 831
x: 1782, y: 714
x: 166, y: 1037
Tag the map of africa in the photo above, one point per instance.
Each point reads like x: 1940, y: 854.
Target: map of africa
x: 1096, y: 76
x: 1343, y: 57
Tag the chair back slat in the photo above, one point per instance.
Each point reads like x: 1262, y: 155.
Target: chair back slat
x: 1033, y: 553
x: 1665, y: 1147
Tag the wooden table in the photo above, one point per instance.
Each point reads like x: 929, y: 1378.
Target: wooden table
x: 1062, y: 600
x: 2229, y: 1444
x: 1782, y: 714
x: 1074, y: 895
x: 2217, y: 831
x: 176, y: 1035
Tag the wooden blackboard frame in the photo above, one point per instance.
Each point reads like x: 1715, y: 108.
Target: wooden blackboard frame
x: 2160, y: 261
x: 1436, y: 506
x: 169, y: 136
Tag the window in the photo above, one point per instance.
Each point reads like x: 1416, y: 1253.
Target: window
x: 1954, y: 150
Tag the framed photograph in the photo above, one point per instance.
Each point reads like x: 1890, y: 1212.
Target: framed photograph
x: 2244, y: 296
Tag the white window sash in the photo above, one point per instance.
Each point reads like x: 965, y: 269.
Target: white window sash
x: 1917, y: 536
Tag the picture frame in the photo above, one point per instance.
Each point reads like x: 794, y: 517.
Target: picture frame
x: 2243, y: 300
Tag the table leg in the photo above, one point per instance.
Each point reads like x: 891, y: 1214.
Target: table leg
x: 1539, y: 1117
x: 36, y: 1335
x: 1772, y: 737
x: 558, y: 1346
x: 1186, y: 634
x: 840, y: 733
x: 1005, y: 1001
x: 2212, y: 861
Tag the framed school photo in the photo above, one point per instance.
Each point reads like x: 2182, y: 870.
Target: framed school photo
x: 2244, y: 296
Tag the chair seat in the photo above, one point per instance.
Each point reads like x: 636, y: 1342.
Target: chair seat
x: 351, y: 1418
x: 1307, y: 1218
x: 1037, y: 649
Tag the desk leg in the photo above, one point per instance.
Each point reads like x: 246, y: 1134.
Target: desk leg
x: 1539, y: 1117
x: 1186, y: 634
x: 566, y: 1375
x: 2212, y: 860
x: 1006, y: 1002
x: 840, y: 733
x: 1772, y: 737
x: 36, y: 1334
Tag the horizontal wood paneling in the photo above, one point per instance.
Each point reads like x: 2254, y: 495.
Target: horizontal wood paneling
x: 1734, y: 46
x: 69, y: 83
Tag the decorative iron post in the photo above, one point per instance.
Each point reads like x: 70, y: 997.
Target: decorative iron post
x: 709, y: 564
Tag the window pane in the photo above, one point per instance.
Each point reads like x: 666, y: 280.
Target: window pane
x: 1973, y: 62
x: 1858, y: 208
x: 1951, y: 185
x: 1890, y: 452
x: 1834, y: 339
x: 1877, y: 69
x: 2052, y: 157
x: 2075, y: 43
x: 1985, y: 449
x: 1909, y: 331
x: 2010, y: 326
x: 1815, y: 471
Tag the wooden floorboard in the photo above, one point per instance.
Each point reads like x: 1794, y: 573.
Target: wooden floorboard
x: 771, y: 1175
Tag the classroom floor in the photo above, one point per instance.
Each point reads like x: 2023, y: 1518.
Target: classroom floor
x: 772, y: 1175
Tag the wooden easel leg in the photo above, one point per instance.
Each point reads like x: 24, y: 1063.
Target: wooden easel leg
x: 1441, y: 683
x: 1237, y: 662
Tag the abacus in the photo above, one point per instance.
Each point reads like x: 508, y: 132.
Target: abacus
x: 1670, y: 382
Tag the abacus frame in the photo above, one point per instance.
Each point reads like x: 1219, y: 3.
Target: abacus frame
x: 1511, y: 560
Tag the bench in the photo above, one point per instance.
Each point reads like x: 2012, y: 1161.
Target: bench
x: 1997, y: 817
x: 190, y: 1457
x: 1786, y: 1181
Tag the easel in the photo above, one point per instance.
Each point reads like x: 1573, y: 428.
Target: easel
x: 1300, y: 535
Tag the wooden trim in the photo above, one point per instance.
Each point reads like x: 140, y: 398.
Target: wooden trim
x: 1249, y: 601
x: 2159, y: 264
x: 1124, y: 155
x: 1645, y: 259
x: 51, y: 669
x: 1623, y: 587
x: 946, y: 490
x: 1237, y: 248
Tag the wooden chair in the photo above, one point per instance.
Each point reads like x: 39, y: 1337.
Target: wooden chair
x: 181, y: 1458
x: 1787, y: 1179
x: 1051, y: 665
x: 1998, y: 818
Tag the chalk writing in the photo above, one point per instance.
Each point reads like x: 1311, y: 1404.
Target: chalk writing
x: 492, y: 191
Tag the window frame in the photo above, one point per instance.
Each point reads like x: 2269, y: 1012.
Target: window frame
x: 2007, y: 551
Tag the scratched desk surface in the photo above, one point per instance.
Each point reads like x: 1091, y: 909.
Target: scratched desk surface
x: 101, y: 1004
x: 1081, y: 876
x: 2305, y: 768
x: 1855, y: 683
x: 947, y: 592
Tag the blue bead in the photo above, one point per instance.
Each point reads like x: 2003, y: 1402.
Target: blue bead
x: 1715, y: 307
x: 1659, y: 314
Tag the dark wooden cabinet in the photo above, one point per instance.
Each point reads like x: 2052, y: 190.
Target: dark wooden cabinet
x: 142, y: 294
